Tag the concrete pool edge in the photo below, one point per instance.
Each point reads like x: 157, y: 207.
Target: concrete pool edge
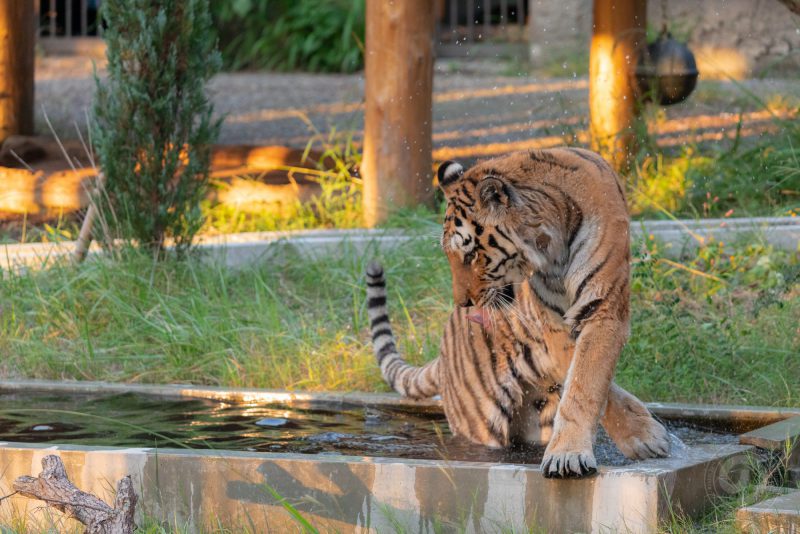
x: 355, y: 494
x: 746, y: 415
x: 350, y: 493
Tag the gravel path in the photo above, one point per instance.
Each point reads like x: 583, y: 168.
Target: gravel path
x: 474, y: 115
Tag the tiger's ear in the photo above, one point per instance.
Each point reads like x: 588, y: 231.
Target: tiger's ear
x: 495, y: 196
x: 448, y: 174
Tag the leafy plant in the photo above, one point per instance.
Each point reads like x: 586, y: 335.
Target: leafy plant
x: 291, y: 35
x: 153, y: 125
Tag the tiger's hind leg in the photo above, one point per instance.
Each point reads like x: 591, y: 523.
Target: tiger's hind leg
x: 634, y: 430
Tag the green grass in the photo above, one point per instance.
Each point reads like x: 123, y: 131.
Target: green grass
x: 743, y: 176
x: 722, y: 326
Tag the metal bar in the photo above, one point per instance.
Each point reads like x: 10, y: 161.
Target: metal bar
x: 37, y: 9
x: 84, y: 18
x: 521, y: 12
x: 487, y: 18
x: 51, y: 15
x: 453, y: 15
x: 503, y: 12
x: 68, y: 18
x: 470, y: 20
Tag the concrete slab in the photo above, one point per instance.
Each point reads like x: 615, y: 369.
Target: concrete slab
x: 779, y: 515
x: 774, y: 437
x: 236, y: 250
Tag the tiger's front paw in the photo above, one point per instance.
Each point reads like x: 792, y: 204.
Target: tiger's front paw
x: 569, y: 463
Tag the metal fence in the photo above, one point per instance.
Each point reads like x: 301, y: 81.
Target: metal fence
x: 463, y: 23
x: 465, y: 27
x: 68, y: 18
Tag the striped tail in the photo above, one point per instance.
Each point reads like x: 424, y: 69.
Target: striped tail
x: 409, y: 381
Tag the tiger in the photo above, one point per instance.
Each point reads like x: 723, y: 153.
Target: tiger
x: 539, y: 252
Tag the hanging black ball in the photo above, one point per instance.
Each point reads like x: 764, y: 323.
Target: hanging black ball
x: 666, y: 71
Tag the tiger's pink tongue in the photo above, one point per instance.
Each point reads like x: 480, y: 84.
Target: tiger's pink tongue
x: 480, y: 316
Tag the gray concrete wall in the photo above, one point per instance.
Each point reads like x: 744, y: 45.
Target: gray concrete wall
x: 729, y: 37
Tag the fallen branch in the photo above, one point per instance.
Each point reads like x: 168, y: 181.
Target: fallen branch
x: 85, y: 235
x: 53, y: 487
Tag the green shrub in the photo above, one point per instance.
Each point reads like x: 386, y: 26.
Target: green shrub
x: 288, y: 35
x: 152, y: 127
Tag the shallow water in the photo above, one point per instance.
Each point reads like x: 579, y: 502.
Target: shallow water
x: 132, y: 420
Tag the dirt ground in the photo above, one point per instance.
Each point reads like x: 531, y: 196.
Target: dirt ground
x: 479, y: 110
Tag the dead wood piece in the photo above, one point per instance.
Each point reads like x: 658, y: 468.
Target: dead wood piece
x: 53, y: 487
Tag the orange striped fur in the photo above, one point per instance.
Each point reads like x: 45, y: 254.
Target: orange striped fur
x: 539, y: 250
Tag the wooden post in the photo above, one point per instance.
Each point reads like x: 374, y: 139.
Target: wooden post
x: 619, y: 32
x: 397, y: 164
x: 17, y: 41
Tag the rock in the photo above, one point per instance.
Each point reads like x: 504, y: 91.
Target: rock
x: 29, y: 149
x: 272, y: 421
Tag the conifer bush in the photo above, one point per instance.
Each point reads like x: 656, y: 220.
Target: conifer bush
x: 152, y: 123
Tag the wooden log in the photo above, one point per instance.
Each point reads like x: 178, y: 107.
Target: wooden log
x: 617, y: 38
x: 397, y: 162
x: 53, y: 487
x: 17, y: 41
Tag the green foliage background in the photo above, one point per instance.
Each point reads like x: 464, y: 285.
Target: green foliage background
x: 310, y: 35
x: 152, y: 127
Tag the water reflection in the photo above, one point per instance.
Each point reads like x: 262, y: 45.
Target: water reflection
x: 132, y: 420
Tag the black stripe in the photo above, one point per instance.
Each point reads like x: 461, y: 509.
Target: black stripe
x: 381, y: 332
x: 493, y: 357
x: 619, y: 187
x: 512, y: 367
x: 502, y: 234
x: 576, y: 228
x: 585, y: 313
x: 527, y: 355
x: 376, y: 302
x: 387, y: 349
x: 486, y: 394
x: 589, y: 276
x: 493, y: 366
x: 383, y: 318
x: 550, y: 305
x: 493, y: 243
x: 394, y: 367
x: 502, y: 262
x: 601, y: 165
x: 478, y: 228
x: 379, y: 283
x: 549, y: 159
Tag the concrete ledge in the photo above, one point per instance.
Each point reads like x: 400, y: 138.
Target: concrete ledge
x: 354, y: 494
x: 779, y: 515
x: 235, y: 250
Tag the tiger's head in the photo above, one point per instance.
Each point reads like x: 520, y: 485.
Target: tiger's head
x: 487, y: 257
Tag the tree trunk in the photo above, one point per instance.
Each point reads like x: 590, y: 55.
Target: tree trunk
x: 397, y: 164
x: 17, y: 41
x: 617, y: 38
